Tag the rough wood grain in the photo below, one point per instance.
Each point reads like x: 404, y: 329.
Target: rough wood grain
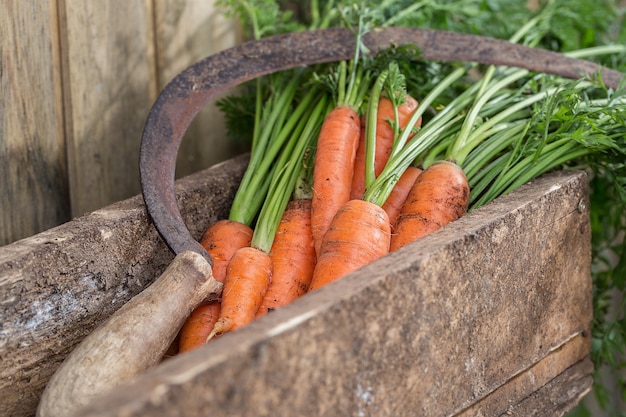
x: 553, y: 400
x: 429, y: 330
x: 78, y: 78
x: 33, y: 176
x: 186, y: 32
x: 110, y: 84
x: 57, y: 286
x: 532, y: 380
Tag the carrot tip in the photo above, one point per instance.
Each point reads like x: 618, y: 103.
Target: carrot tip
x: 221, y: 326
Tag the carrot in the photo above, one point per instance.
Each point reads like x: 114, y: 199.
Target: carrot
x: 293, y: 255
x: 225, y: 237
x: 197, y: 327
x: 248, y: 275
x: 359, y: 234
x: 250, y: 270
x: 400, y: 191
x: 389, y: 120
x: 439, y: 196
x: 334, y: 161
x: 337, y: 144
x: 275, y: 123
x: 360, y: 231
x: 222, y: 239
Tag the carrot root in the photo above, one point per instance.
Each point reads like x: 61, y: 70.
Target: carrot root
x: 222, y: 325
x: 400, y: 192
x: 359, y: 234
x: 334, y: 167
x: 439, y: 196
x: 293, y: 257
x: 248, y: 276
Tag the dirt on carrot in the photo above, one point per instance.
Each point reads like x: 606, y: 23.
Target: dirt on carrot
x: 359, y: 234
x: 293, y: 257
x: 222, y: 239
x: 439, y: 196
x: 248, y: 276
x: 334, y: 161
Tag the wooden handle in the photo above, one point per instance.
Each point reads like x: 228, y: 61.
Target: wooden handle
x: 133, y: 339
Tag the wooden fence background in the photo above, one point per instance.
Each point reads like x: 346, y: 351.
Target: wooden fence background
x: 77, y: 80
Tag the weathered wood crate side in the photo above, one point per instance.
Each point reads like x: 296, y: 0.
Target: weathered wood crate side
x: 57, y: 286
x: 490, y: 315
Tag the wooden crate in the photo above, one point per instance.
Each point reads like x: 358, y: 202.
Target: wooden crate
x: 490, y: 315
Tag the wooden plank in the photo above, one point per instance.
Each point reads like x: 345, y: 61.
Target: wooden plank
x: 57, y: 286
x: 186, y: 32
x: 428, y: 330
x: 559, y: 396
x: 33, y: 178
x: 516, y: 390
x: 110, y: 86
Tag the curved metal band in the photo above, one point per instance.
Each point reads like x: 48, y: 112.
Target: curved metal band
x: 182, y: 99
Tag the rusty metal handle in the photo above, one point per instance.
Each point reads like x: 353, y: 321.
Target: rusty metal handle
x: 182, y: 99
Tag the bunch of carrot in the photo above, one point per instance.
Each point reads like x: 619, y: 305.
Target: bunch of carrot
x: 299, y: 245
x: 251, y: 258
x: 365, y: 184
x: 333, y: 187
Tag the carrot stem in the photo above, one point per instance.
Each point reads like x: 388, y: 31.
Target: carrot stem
x: 398, y: 16
x: 254, y: 184
x: 286, y: 175
x: 554, y: 154
x: 459, y: 154
x: 357, y: 49
x: 461, y: 146
x: 503, y: 135
x: 370, y: 128
x: 406, y: 153
x: 341, y: 83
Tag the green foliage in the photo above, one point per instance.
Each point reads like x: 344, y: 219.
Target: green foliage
x: 420, y: 75
x: 581, y: 24
x: 239, y: 110
x: 260, y: 18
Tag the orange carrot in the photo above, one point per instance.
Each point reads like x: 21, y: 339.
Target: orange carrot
x: 198, y: 326
x: 439, y: 196
x: 385, y: 135
x: 400, y: 191
x: 359, y: 234
x: 293, y: 256
x: 221, y: 240
x: 247, y: 277
x: 280, y: 139
x: 250, y: 270
x: 332, y: 174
